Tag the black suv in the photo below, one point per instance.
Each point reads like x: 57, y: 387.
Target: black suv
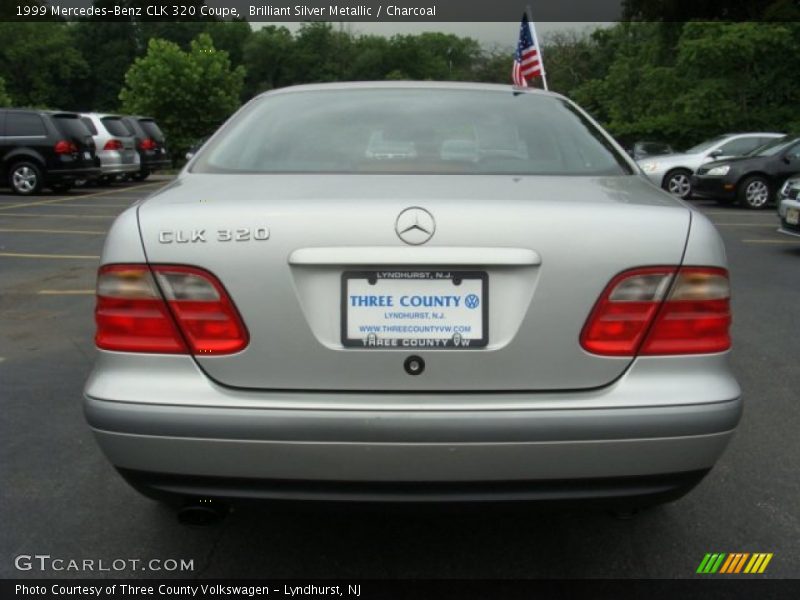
x: 150, y: 143
x: 41, y: 148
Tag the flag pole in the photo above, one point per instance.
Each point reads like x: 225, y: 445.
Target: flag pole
x: 532, y: 26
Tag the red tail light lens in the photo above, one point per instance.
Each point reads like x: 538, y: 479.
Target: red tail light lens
x: 696, y: 317
x: 113, y: 145
x: 661, y: 311
x: 147, y: 144
x: 65, y: 147
x: 194, y: 315
x: 130, y: 314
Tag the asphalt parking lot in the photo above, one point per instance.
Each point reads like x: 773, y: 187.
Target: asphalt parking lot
x: 60, y: 497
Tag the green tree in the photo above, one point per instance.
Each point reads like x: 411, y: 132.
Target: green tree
x: 266, y: 57
x: 5, y: 99
x: 684, y: 83
x: 109, y: 48
x: 433, y: 55
x: 189, y: 93
x: 40, y: 64
x: 231, y: 37
x: 320, y: 53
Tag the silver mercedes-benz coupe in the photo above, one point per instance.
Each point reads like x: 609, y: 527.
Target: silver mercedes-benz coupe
x: 412, y: 291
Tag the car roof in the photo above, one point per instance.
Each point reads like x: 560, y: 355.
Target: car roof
x: 101, y: 115
x: 43, y: 111
x: 773, y: 133
x: 409, y: 85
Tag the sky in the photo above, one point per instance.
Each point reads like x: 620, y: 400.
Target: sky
x: 491, y: 34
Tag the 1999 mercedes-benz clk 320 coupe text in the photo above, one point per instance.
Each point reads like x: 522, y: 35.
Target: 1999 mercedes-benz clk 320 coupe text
x: 412, y: 291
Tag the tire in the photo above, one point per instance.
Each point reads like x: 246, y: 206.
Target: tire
x: 64, y: 186
x: 754, y: 193
x: 677, y: 183
x: 141, y: 175
x: 25, y: 178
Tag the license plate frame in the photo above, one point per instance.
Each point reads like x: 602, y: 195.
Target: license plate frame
x: 793, y: 216
x: 476, y: 281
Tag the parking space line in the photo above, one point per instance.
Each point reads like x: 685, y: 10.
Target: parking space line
x: 55, y: 216
x: 745, y: 225
x: 66, y: 292
x: 104, y: 205
x: 81, y: 197
x: 56, y: 231
x: 738, y: 213
x: 768, y: 241
x: 54, y: 256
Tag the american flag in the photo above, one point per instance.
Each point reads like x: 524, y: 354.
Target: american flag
x: 527, y: 62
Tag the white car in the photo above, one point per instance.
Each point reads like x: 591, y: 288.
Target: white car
x: 673, y: 171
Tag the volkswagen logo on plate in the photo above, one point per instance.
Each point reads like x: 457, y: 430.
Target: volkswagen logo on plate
x: 415, y: 226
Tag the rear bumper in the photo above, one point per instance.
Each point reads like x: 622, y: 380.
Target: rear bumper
x: 785, y: 205
x: 556, y: 446
x: 154, y: 162
x: 636, y: 491
x: 112, y: 162
x: 58, y: 175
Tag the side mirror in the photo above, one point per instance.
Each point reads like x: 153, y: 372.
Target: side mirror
x: 715, y: 153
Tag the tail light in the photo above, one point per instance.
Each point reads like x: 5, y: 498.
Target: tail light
x: 166, y: 309
x: 65, y: 147
x: 113, y: 145
x: 661, y: 311
x: 147, y: 144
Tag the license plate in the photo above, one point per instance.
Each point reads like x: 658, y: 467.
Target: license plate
x: 415, y: 309
x: 87, y: 156
x: 793, y: 216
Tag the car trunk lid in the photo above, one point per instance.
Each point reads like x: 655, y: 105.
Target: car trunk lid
x: 547, y: 246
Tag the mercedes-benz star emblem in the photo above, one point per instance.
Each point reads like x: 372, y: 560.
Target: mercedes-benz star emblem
x: 415, y: 226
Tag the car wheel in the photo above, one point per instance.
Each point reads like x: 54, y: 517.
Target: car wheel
x: 64, y: 186
x: 677, y: 183
x: 754, y: 193
x: 25, y: 178
x: 141, y: 175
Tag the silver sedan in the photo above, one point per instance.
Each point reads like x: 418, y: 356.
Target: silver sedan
x: 502, y: 307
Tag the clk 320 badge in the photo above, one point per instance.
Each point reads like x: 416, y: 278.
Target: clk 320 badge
x: 193, y: 236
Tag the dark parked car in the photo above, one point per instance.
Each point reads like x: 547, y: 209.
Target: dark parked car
x: 642, y: 150
x: 151, y: 144
x: 754, y: 179
x: 41, y: 148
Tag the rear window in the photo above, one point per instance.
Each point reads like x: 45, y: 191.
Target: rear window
x: 411, y: 131
x: 151, y: 128
x: 115, y: 126
x: 24, y: 125
x: 72, y: 127
x: 89, y: 125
